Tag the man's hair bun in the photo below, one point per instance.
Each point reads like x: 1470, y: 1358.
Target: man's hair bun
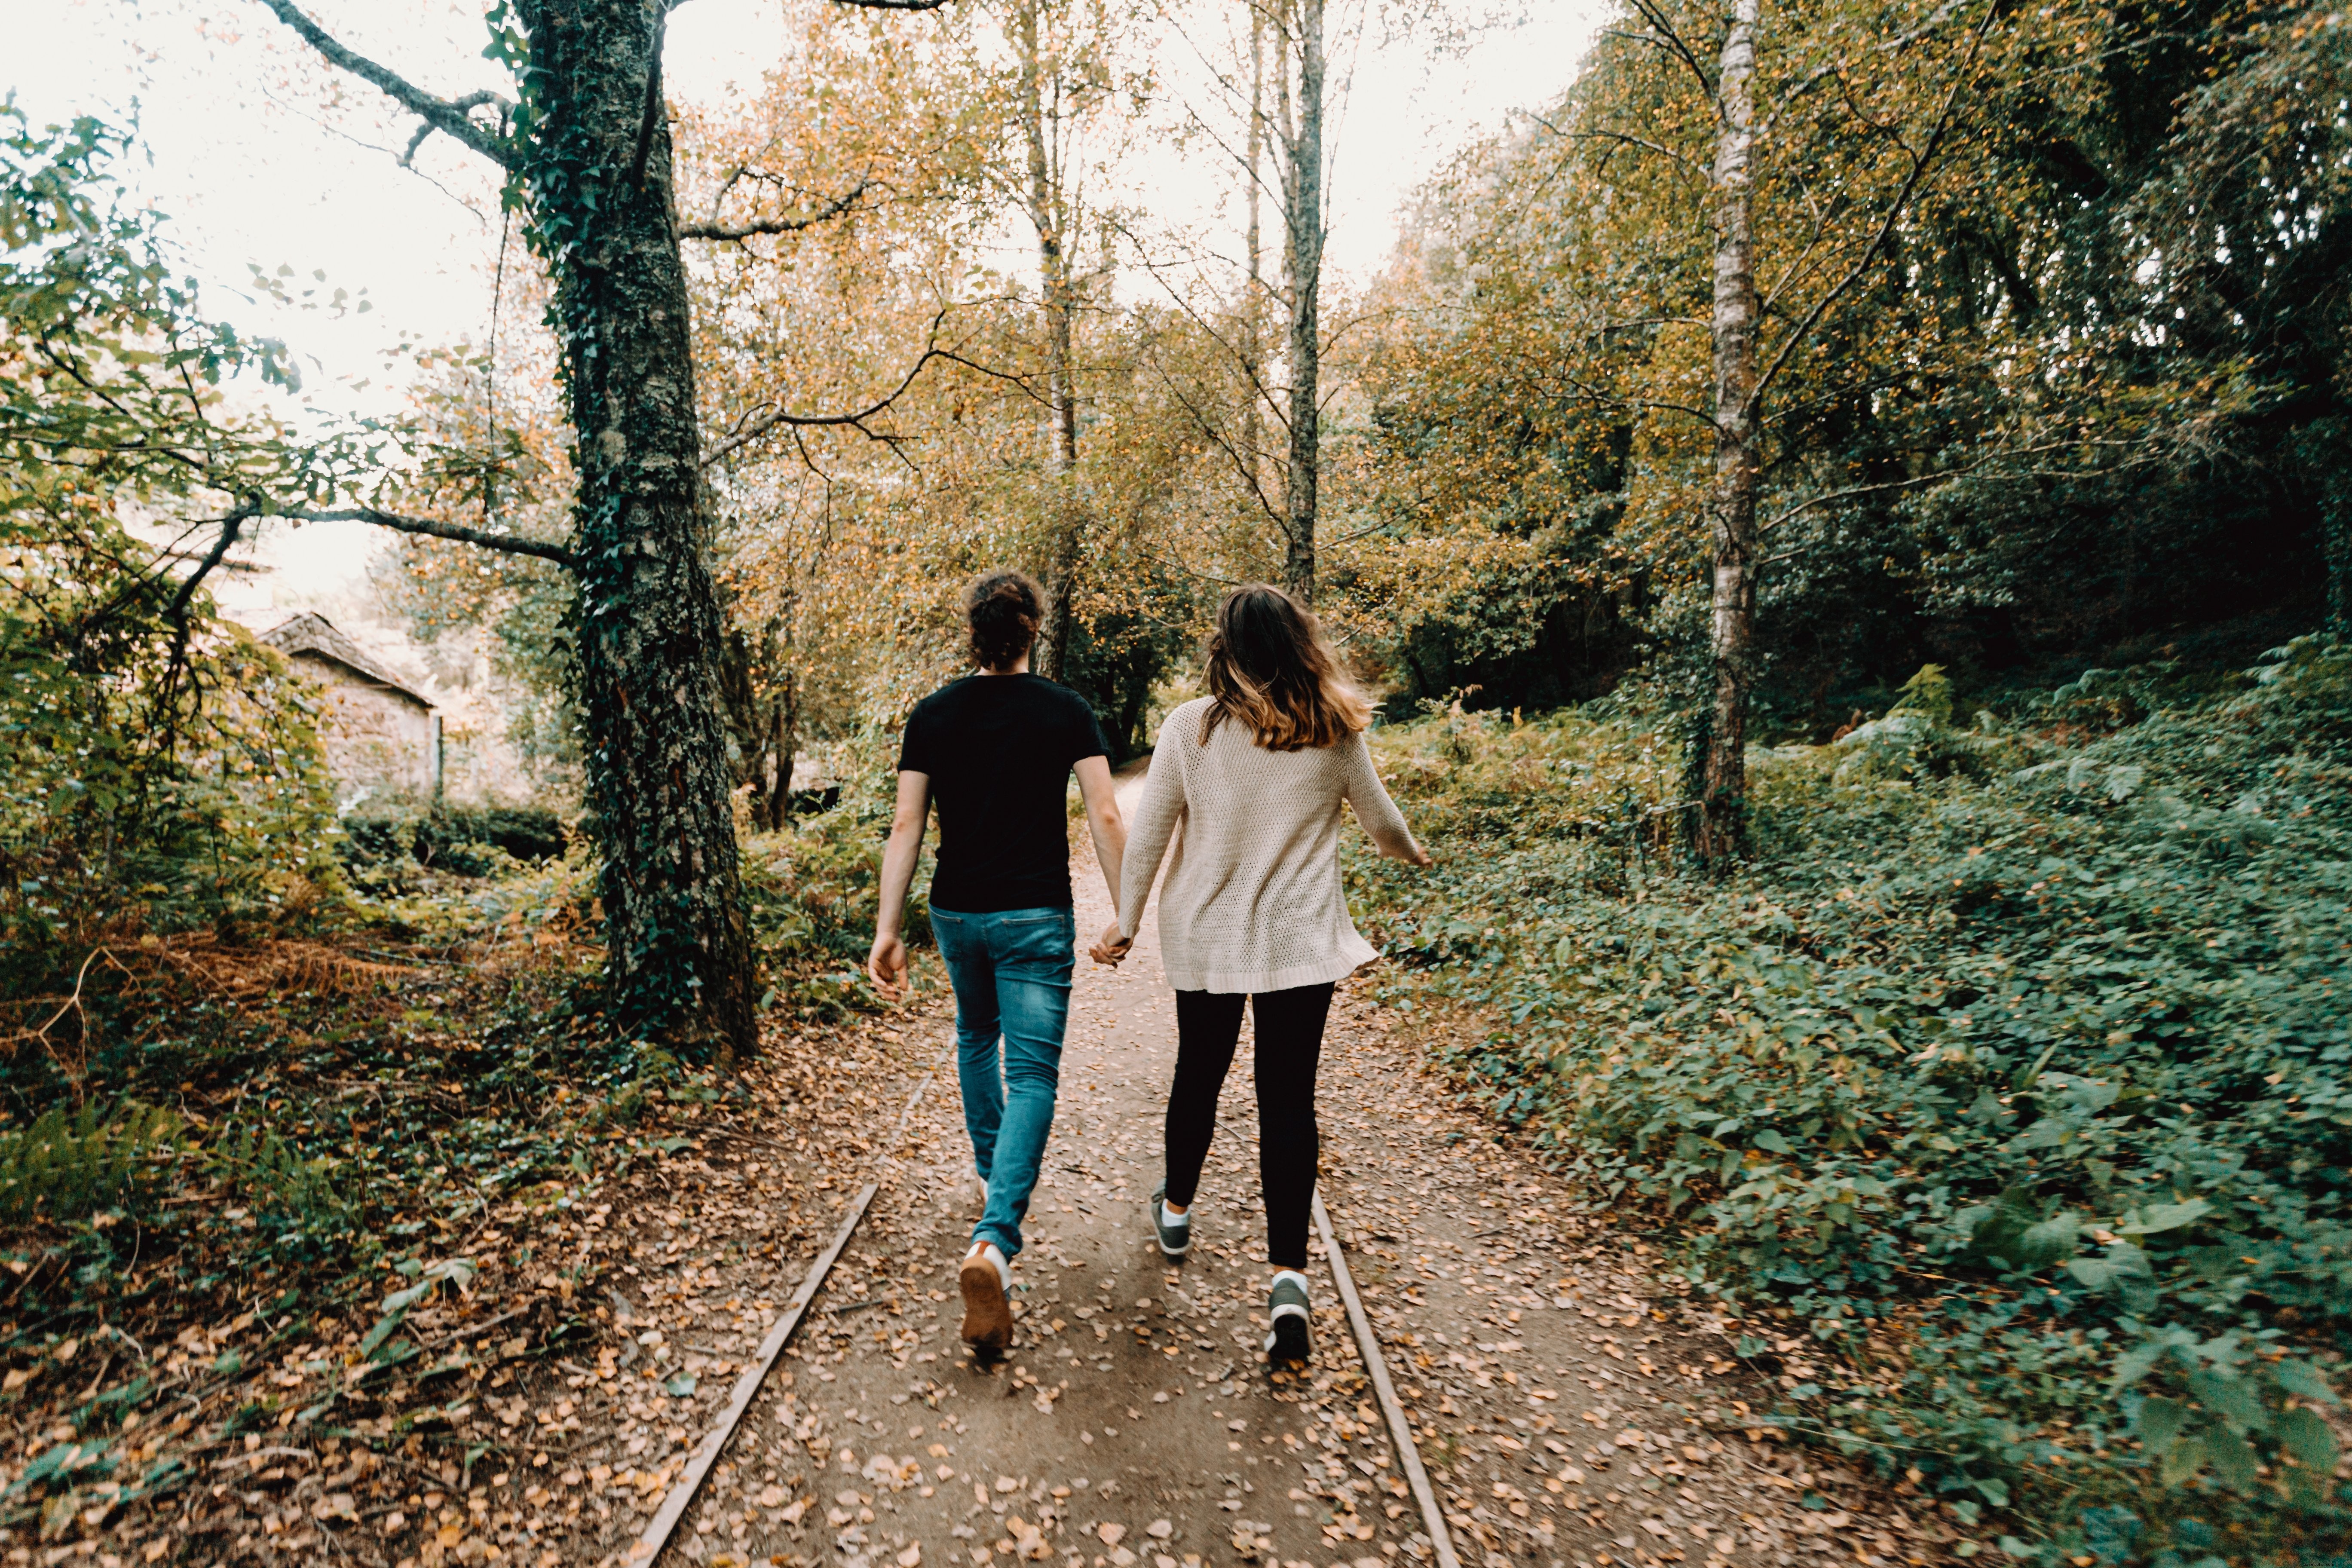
x: 1004, y: 609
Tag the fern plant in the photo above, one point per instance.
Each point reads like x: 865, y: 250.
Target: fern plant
x: 300, y: 1195
x: 66, y: 1166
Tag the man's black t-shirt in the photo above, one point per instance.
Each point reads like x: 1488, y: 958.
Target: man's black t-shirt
x: 999, y: 750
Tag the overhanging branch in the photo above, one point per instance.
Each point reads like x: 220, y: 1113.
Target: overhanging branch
x: 777, y: 419
x: 714, y: 230
x: 1895, y: 208
x: 504, y: 544
x: 445, y: 115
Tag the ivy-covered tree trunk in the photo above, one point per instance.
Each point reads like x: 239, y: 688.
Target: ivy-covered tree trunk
x: 1739, y: 476
x: 595, y: 160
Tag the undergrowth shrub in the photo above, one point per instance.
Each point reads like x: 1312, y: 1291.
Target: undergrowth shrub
x: 811, y: 894
x: 2016, y: 1066
x: 159, y: 769
x: 391, y: 846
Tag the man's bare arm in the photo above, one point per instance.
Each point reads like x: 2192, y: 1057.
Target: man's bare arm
x: 885, y: 965
x: 1109, y: 831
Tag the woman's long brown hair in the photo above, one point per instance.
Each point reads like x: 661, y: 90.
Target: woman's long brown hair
x: 1269, y: 667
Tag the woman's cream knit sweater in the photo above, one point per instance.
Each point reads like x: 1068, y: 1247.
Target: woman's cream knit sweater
x: 1253, y: 900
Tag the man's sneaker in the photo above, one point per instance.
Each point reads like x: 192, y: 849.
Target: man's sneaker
x: 987, y: 1306
x: 1287, y: 1306
x: 1173, y: 1232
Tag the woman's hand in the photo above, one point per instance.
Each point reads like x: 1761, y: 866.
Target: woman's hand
x: 1413, y: 854
x: 1110, y: 947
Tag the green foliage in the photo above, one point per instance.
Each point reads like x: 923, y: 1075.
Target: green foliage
x: 2016, y: 1065
x: 157, y: 767
x: 68, y: 1166
x: 811, y: 895
x: 299, y: 1198
x: 386, y: 847
x: 2085, y: 396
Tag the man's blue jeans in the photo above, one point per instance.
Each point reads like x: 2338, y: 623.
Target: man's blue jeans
x: 1011, y: 971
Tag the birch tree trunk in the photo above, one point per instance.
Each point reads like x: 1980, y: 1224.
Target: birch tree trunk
x: 1252, y: 345
x: 1732, y: 494
x: 1304, y: 222
x: 1047, y: 209
x: 648, y: 626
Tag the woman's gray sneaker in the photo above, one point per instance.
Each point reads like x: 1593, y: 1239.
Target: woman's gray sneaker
x: 1287, y: 1306
x: 1175, y: 1236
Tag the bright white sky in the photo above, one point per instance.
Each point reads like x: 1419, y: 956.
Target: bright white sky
x: 244, y: 147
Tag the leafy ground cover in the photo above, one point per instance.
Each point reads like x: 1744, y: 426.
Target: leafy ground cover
x: 2003, y: 1094
x: 269, y: 1189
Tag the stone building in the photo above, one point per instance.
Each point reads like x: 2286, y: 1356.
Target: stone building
x: 382, y: 736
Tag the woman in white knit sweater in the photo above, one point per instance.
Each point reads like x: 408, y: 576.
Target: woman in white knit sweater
x: 1248, y: 782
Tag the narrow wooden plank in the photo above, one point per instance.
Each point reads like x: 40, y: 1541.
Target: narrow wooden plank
x: 747, y: 1388
x: 1400, y: 1429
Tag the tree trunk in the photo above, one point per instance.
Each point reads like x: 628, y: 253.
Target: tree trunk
x: 2337, y: 540
x: 1305, y: 246
x: 1731, y: 496
x: 784, y: 750
x: 597, y: 167
x: 761, y: 725
x: 1066, y: 519
x: 1253, y: 346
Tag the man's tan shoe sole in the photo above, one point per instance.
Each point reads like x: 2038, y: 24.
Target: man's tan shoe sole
x: 987, y: 1315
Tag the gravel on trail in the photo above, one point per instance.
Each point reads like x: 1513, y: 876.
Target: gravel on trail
x: 1571, y: 1408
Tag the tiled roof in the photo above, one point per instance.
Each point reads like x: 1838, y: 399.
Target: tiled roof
x: 314, y: 634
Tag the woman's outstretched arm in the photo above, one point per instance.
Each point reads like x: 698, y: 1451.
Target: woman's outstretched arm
x: 1369, y: 798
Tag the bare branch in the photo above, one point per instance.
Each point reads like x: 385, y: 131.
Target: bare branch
x: 1662, y: 35
x: 779, y: 420
x: 1623, y: 139
x: 1259, y: 390
x: 892, y: 5
x: 504, y: 543
x: 176, y: 612
x: 1244, y: 465
x: 1830, y: 498
x: 445, y: 115
x: 1895, y: 208
x: 714, y: 230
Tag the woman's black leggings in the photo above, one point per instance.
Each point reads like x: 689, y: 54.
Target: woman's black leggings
x: 1289, y: 1045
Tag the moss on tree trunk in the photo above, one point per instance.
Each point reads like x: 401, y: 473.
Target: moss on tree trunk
x: 596, y: 167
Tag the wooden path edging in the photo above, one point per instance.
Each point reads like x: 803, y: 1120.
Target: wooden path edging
x: 1368, y: 1346
x: 746, y: 1387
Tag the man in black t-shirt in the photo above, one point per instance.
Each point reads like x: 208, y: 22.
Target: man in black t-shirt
x: 995, y: 750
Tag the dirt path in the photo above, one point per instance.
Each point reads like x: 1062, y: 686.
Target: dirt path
x: 1569, y: 1409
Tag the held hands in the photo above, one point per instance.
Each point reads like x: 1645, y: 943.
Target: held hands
x: 1110, y: 947
x: 887, y: 964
